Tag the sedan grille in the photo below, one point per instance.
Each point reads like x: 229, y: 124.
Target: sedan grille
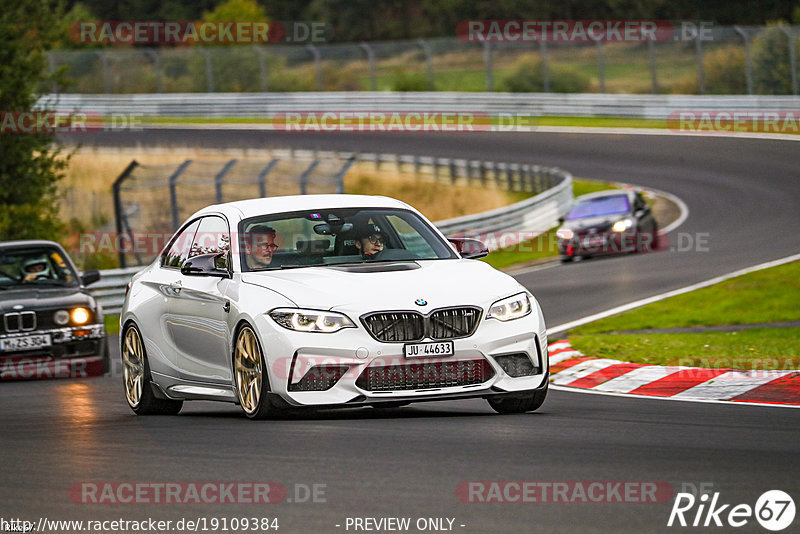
x: 448, y: 323
x: 426, y: 375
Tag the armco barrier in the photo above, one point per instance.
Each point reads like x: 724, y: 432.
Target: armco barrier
x: 264, y: 105
x: 532, y: 215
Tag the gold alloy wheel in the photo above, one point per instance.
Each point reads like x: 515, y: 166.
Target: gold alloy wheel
x: 247, y: 367
x: 133, y: 366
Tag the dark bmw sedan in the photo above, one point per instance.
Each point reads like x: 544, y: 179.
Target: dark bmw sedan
x: 607, y: 222
x: 50, y: 326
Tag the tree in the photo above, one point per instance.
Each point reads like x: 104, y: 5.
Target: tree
x: 31, y: 165
x: 772, y: 70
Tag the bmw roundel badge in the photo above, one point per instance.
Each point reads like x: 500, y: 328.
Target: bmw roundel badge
x: 421, y: 302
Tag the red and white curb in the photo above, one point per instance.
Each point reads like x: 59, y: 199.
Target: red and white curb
x: 570, y: 368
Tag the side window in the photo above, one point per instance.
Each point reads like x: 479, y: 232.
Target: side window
x: 411, y: 238
x: 179, y: 249
x: 212, y: 237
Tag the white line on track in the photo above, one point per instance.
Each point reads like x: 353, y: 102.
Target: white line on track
x: 638, y: 397
x: 520, y: 129
x: 551, y: 332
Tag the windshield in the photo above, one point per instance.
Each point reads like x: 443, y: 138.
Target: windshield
x: 599, y: 207
x: 35, y: 266
x: 337, y: 236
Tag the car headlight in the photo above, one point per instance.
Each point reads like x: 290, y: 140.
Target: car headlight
x: 621, y: 226
x: 80, y: 315
x: 510, y: 308
x: 61, y: 317
x: 311, y: 320
x: 565, y: 233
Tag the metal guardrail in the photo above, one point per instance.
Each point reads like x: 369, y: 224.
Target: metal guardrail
x: 525, y: 218
x: 110, y: 289
x: 267, y: 105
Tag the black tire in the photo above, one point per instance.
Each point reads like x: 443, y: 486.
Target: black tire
x: 147, y: 402
x: 566, y: 259
x: 267, y: 404
x: 527, y: 401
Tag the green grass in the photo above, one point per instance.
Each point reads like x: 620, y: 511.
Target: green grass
x: 765, y: 296
x: 112, y: 324
x: 761, y: 348
x: 545, y: 245
x: 604, y: 122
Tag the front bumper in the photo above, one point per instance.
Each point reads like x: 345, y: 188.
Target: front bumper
x: 601, y: 243
x: 75, y: 352
x: 472, y: 371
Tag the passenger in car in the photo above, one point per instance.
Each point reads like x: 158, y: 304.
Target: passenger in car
x: 370, y: 240
x: 260, y: 246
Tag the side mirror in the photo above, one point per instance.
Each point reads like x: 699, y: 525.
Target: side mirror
x: 205, y: 265
x: 471, y: 249
x: 561, y: 220
x: 90, y: 277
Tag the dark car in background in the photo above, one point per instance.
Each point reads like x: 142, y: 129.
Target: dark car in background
x: 50, y: 326
x: 607, y: 222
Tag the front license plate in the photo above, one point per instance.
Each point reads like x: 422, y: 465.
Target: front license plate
x: 25, y: 343
x: 428, y: 350
x: 593, y: 241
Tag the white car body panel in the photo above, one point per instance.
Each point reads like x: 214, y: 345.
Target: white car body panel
x: 188, y: 322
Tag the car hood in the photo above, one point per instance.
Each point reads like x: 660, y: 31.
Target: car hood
x: 395, y: 285
x: 43, y: 298
x: 600, y: 223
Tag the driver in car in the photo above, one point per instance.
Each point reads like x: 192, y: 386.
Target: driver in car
x: 35, y: 269
x: 260, y: 246
x: 370, y: 240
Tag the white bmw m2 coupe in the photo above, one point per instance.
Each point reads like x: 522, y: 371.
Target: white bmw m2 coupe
x: 323, y: 301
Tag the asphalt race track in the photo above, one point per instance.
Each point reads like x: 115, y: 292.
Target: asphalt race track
x: 409, y: 462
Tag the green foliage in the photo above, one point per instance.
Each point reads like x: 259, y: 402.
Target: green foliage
x: 30, y: 166
x: 232, y: 10
x: 410, y: 81
x: 526, y: 76
x: 725, y: 71
x: 771, y: 67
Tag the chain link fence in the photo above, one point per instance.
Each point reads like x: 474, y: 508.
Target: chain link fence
x: 722, y: 60
x: 151, y: 201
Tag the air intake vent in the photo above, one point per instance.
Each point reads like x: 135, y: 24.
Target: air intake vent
x: 425, y: 375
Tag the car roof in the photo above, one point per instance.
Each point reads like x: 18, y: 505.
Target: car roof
x: 608, y: 193
x: 244, y: 209
x: 29, y: 243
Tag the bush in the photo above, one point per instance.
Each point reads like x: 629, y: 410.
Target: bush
x: 771, y: 69
x: 725, y: 71
x: 525, y: 76
x: 410, y: 81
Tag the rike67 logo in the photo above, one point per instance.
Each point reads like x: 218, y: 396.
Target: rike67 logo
x: 774, y: 510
